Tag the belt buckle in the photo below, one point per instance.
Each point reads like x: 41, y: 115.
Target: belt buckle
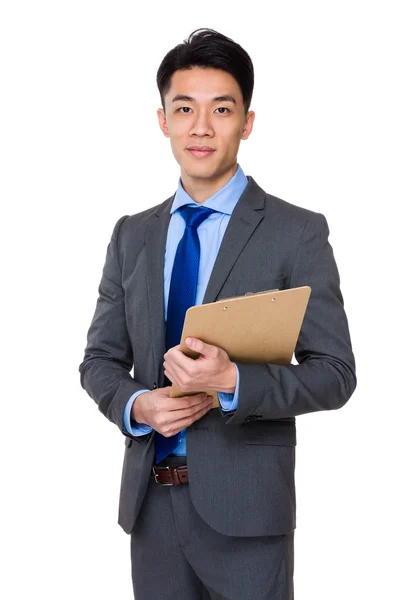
x: 155, y: 475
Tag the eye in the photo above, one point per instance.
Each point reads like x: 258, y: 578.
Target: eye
x: 187, y: 108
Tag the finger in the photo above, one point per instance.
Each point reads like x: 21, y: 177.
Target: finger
x: 180, y: 424
x: 168, y: 372
x: 185, y: 402
x: 173, y: 370
x: 173, y: 416
x: 178, y: 359
x: 168, y: 352
x: 176, y: 373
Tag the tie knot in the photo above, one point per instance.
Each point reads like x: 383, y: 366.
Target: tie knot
x: 193, y: 216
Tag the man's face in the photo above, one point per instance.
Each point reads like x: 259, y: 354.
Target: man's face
x: 204, y: 120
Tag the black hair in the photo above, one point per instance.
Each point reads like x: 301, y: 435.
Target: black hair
x: 207, y: 48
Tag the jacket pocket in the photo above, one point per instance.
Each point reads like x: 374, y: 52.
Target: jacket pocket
x: 270, y: 433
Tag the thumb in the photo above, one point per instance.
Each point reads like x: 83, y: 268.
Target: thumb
x: 197, y: 345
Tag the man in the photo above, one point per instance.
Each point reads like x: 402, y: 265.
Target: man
x: 208, y: 495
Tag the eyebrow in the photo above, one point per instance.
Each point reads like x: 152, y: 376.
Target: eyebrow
x: 224, y: 98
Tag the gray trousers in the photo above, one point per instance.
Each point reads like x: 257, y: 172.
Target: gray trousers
x: 175, y: 555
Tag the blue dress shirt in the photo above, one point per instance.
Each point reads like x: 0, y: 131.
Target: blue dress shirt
x: 210, y: 234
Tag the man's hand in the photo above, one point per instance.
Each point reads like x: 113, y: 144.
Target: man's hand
x: 168, y: 415
x: 213, y: 370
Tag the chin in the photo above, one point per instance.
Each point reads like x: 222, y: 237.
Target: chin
x: 200, y: 172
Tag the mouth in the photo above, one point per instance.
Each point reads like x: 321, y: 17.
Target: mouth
x: 200, y: 152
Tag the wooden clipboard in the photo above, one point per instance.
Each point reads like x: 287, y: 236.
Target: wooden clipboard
x: 257, y: 327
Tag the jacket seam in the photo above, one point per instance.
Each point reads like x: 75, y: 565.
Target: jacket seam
x: 118, y: 240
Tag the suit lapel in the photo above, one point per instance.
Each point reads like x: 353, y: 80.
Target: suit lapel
x: 243, y: 221
x: 241, y: 226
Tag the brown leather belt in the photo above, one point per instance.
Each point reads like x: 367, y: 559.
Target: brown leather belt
x: 170, y: 475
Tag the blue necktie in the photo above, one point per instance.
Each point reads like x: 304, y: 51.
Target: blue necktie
x: 182, y: 295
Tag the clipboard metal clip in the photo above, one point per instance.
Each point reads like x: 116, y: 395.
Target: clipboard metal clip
x: 247, y: 294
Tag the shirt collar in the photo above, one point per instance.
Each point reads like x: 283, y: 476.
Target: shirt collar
x: 224, y: 200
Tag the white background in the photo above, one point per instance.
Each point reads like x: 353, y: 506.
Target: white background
x: 336, y: 131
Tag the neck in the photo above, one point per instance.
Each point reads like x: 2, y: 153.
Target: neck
x: 200, y: 188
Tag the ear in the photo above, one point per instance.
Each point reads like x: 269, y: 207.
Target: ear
x: 162, y: 122
x: 249, y: 122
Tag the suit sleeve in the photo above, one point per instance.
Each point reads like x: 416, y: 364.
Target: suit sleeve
x: 108, y: 358
x: 325, y: 376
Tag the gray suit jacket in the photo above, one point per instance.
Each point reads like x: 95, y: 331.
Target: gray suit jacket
x: 241, y: 463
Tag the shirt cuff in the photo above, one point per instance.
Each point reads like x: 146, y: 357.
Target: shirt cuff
x: 138, y: 428
x: 230, y: 401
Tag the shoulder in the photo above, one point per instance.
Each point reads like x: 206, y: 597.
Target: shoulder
x: 277, y: 210
x: 128, y: 226
x: 293, y: 214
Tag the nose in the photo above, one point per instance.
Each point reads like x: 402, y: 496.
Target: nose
x: 201, y: 124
